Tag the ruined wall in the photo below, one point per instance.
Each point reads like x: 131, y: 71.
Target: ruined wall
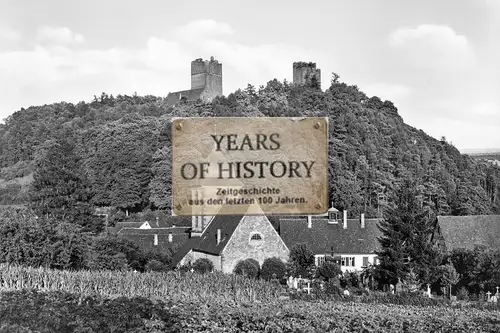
x: 207, y: 74
x: 241, y: 247
x: 303, y: 73
x: 199, y: 70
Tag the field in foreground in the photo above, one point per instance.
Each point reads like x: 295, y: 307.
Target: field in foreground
x: 61, y: 312
x: 39, y: 300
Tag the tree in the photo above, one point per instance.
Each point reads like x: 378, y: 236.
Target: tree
x: 407, y: 239
x: 60, y: 188
x: 40, y: 242
x: 448, y: 276
x: 160, y: 185
x: 203, y: 265
x: 248, y: 267
x: 301, y: 260
x: 114, y: 253
x: 273, y: 267
x: 329, y: 270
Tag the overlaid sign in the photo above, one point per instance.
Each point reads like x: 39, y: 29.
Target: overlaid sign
x: 249, y: 166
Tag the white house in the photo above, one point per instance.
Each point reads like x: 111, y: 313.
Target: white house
x: 351, y: 242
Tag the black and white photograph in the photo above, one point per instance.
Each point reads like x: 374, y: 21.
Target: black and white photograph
x: 249, y: 166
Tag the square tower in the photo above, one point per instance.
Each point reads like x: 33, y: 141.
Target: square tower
x: 208, y: 75
x: 305, y: 73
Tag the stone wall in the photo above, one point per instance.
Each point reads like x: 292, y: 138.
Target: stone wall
x: 303, y: 72
x: 241, y: 247
x: 207, y: 74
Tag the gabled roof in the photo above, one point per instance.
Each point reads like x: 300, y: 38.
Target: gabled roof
x: 207, y: 242
x: 178, y: 221
x: 156, y: 231
x: 146, y: 241
x: 468, y: 231
x: 208, y: 239
x: 170, y: 221
x: 191, y: 95
x: 323, y: 237
x: 120, y: 225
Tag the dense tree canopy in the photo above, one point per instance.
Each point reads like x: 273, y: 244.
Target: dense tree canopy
x: 121, y: 141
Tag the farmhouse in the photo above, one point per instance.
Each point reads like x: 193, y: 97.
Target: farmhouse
x: 227, y: 239
x: 353, y: 242
x: 454, y: 232
x: 169, y: 234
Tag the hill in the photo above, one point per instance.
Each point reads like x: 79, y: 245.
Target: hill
x: 123, y: 145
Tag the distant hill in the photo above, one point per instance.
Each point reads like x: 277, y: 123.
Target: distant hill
x: 123, y: 144
x: 491, y: 155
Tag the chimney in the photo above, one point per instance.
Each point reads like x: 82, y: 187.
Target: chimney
x: 309, y: 221
x: 345, y: 219
x: 218, y: 236
x: 362, y: 220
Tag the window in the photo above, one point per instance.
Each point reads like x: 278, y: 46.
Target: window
x: 347, y: 261
x: 365, y: 261
x: 320, y: 260
x: 256, y: 237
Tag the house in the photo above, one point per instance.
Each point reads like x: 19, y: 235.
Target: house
x: 454, y: 232
x: 227, y: 239
x: 352, y: 241
x: 167, y: 234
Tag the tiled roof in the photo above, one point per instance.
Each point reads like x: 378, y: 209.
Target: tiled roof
x: 184, y: 249
x: 120, y: 225
x: 155, y: 231
x: 178, y: 221
x: 208, y: 239
x: 191, y: 95
x: 324, y: 237
x: 207, y: 242
x: 146, y: 241
x: 468, y: 231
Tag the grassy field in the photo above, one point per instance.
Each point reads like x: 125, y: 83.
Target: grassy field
x: 52, y: 301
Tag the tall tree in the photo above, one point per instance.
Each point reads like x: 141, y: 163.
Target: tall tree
x: 60, y: 188
x: 406, y: 238
x: 160, y: 185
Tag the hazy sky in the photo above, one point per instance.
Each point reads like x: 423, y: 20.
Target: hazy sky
x: 438, y: 61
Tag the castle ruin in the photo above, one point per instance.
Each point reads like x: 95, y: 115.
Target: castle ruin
x: 306, y: 73
x: 206, y: 82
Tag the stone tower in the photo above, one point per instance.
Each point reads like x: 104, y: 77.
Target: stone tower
x: 207, y: 74
x: 306, y: 72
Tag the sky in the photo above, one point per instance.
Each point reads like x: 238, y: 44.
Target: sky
x: 437, y: 61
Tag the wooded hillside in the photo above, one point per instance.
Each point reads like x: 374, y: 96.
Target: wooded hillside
x: 121, y: 147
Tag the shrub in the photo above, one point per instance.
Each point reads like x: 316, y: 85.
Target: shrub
x: 107, y: 252
x: 203, y: 265
x: 164, y: 258
x: 155, y: 266
x: 329, y: 270
x: 248, y: 267
x: 463, y: 294
x: 272, y: 266
x: 332, y: 287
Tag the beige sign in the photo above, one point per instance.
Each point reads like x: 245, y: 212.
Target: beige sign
x: 249, y: 166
